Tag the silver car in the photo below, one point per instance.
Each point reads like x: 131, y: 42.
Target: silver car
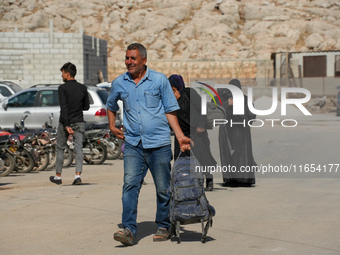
x: 40, y: 102
x: 119, y: 117
x: 8, y: 88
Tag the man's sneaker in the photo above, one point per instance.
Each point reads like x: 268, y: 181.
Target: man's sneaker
x: 56, y: 181
x: 77, y: 181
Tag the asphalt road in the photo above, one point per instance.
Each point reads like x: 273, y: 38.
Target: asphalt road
x: 285, y: 213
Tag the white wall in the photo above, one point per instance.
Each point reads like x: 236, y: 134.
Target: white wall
x: 36, y: 58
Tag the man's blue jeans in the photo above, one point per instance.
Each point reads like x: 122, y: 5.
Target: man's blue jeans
x: 137, y: 161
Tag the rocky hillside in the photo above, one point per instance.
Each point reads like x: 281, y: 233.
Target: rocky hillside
x: 186, y: 29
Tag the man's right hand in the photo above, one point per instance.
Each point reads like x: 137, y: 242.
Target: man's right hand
x: 112, y: 120
x: 118, y: 133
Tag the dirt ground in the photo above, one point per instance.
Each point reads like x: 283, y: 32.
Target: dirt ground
x: 295, y: 213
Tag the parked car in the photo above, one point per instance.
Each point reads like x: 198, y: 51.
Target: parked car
x: 119, y: 117
x: 338, y: 103
x: 8, y: 88
x: 40, y: 102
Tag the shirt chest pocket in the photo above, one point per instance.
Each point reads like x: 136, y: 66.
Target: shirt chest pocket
x: 125, y: 96
x: 152, y: 98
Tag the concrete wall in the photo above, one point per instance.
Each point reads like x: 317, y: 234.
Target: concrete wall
x: 206, y: 69
x: 36, y: 58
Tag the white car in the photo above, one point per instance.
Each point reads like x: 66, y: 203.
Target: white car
x: 8, y: 88
x: 107, y: 86
x: 40, y: 102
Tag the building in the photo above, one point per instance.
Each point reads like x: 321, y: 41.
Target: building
x: 306, y: 64
x: 318, y: 71
x: 35, y: 58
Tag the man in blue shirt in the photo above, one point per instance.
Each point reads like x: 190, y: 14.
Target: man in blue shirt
x: 149, y: 108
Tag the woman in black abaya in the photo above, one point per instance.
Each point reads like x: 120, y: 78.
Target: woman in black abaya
x: 236, y: 153
x: 193, y: 125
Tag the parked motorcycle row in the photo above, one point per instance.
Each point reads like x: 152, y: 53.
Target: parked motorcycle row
x: 23, y: 150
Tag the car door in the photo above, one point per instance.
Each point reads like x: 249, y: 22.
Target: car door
x: 17, y: 107
x: 48, y: 108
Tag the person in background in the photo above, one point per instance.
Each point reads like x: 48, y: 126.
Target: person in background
x: 235, y: 142
x: 193, y: 125
x: 73, y: 100
x: 149, y: 109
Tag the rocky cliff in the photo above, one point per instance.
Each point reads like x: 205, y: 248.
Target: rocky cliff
x: 187, y: 29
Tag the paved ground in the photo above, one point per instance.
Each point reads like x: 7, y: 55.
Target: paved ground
x: 283, y: 214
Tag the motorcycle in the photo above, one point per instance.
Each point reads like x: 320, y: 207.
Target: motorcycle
x: 50, y: 136
x: 33, y: 143
x: 113, y: 145
x: 24, y: 158
x: 7, y: 161
x: 40, y: 145
x: 95, y: 152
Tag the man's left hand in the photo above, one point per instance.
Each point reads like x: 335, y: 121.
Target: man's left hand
x: 184, y: 143
x: 70, y: 130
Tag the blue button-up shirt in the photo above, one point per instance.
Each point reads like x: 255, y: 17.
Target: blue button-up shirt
x: 145, y: 105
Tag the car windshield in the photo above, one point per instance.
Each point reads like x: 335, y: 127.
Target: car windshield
x: 4, y: 91
x: 103, y: 94
x: 16, y: 87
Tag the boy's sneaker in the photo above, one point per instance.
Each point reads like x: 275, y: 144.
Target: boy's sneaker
x: 56, y: 181
x: 77, y: 181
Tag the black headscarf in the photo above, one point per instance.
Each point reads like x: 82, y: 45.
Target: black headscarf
x: 177, y: 82
x: 236, y: 83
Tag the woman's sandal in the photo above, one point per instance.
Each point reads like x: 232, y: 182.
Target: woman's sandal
x: 124, y: 236
x: 161, y: 235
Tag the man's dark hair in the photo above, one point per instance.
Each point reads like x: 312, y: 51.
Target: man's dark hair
x: 69, y: 68
x: 139, y: 47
